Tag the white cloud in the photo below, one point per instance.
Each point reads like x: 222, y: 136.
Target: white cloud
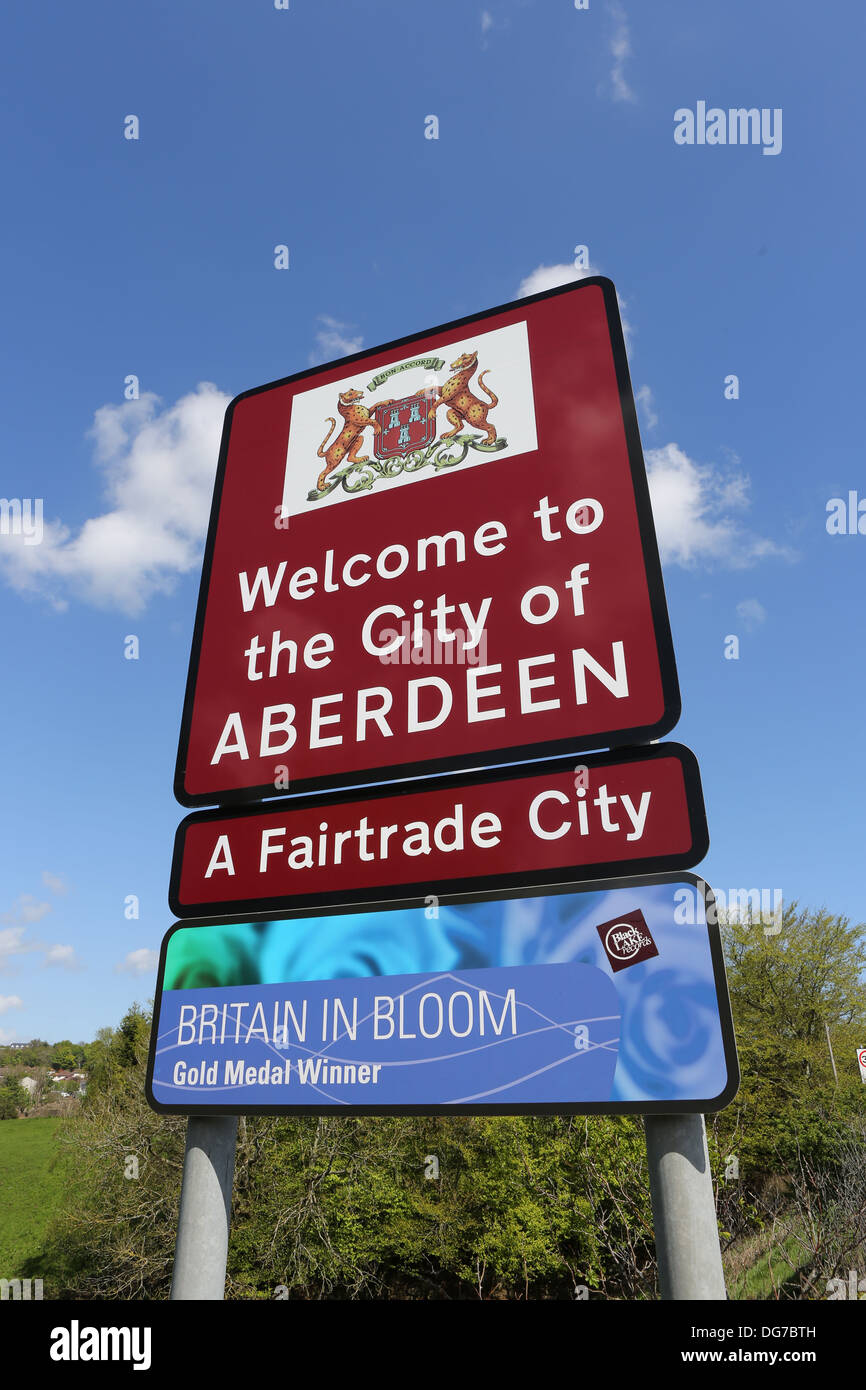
x: 691, y: 506
x: 752, y: 612
x: 620, y: 49
x: 644, y: 398
x: 12, y: 943
x: 158, y: 467
x: 334, y: 339
x: 15, y: 942
x: 55, y: 883
x: 62, y: 955
x: 548, y: 277
x: 10, y: 1001
x: 489, y: 22
x: 140, y: 962
x: 25, y: 909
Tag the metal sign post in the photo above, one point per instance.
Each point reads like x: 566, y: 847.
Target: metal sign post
x: 205, y: 1208
x: 684, y: 1209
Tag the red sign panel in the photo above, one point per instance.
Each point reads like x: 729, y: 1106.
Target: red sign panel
x: 434, y: 555
x: 614, y: 813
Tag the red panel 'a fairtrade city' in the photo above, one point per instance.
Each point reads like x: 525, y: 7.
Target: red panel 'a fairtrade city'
x: 610, y: 813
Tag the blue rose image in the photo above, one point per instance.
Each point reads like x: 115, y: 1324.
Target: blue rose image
x: 378, y: 943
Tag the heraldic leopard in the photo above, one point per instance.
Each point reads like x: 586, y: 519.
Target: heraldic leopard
x: 350, y: 438
x: 464, y: 408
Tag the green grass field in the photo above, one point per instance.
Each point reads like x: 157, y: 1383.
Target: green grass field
x: 30, y: 1190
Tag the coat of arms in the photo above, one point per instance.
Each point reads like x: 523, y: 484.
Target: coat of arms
x: 404, y: 432
x: 405, y: 425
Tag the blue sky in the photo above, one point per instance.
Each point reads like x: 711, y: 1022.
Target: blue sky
x: 305, y: 127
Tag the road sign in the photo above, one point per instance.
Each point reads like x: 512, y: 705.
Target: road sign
x: 607, y: 997
x: 433, y: 555
x: 861, y: 1059
x: 635, y: 812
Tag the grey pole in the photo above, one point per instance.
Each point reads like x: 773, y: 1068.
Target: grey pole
x: 684, y: 1209
x: 205, y: 1208
x: 832, y: 1058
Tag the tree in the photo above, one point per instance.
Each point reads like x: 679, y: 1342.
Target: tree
x: 791, y: 983
x: 790, y: 1133
x: 13, y: 1096
x: 117, y: 1239
x: 94, y: 1052
x: 8, y: 1108
x: 65, y: 1055
x: 37, y: 1053
x: 130, y: 1043
x: 787, y: 988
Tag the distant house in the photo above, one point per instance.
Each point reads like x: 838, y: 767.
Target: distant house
x: 72, y: 1081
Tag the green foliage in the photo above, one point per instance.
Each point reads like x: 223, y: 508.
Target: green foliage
x: 787, y: 988
x: 795, y: 1132
x: 8, y: 1107
x: 13, y: 1097
x: 36, y: 1054
x: 117, y: 1058
x: 94, y: 1052
x: 795, y: 980
x: 67, y: 1056
x: 522, y: 1208
x: 117, y: 1239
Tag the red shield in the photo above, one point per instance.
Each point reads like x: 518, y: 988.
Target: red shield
x: 405, y: 425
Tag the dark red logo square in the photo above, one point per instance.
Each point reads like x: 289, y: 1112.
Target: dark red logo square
x: 627, y: 940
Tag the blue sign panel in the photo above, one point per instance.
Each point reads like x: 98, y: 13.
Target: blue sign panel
x: 606, y: 998
x: 516, y: 1032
